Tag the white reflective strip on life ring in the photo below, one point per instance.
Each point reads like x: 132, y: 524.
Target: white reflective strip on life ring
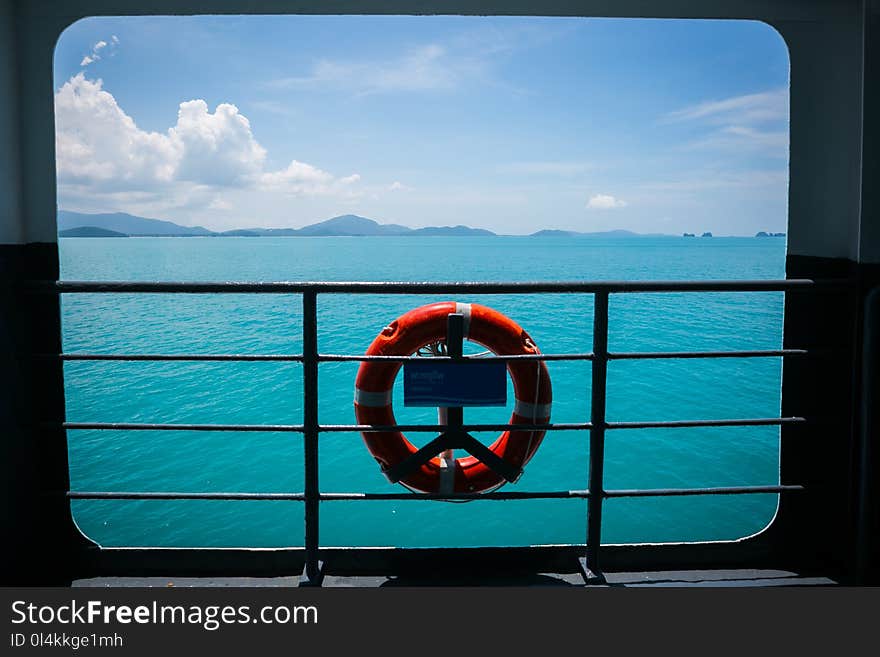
x: 372, y: 399
x: 527, y: 409
x: 465, y: 309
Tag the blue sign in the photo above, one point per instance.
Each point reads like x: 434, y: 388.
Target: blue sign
x: 451, y: 383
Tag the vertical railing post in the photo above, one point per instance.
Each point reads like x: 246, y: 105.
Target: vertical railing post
x: 591, y: 566
x: 313, y: 571
x: 452, y: 416
x: 455, y: 350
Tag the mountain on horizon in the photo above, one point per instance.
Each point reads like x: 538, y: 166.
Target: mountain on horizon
x: 352, y: 225
x: 347, y: 225
x: 90, y: 231
x: 450, y: 230
x: 122, y: 222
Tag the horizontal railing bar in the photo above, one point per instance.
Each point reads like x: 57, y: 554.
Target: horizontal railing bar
x: 376, y: 287
x: 495, y: 495
x: 404, y: 359
x: 326, y: 428
x: 705, y: 354
x: 718, y: 490
x: 440, y: 428
x: 330, y: 358
x: 137, y: 426
x: 327, y: 497
x: 676, y: 424
x: 428, y: 428
x: 162, y: 495
x: 180, y: 357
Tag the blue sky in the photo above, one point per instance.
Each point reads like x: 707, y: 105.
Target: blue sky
x: 511, y: 124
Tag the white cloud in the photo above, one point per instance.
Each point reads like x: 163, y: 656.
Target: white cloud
x: 744, y: 138
x: 775, y: 139
x: 216, y: 149
x: 95, y: 53
x: 427, y: 68
x: 752, y: 122
x: 100, y: 151
x: 96, y: 141
x: 748, y: 109
x: 452, y: 63
x: 605, y: 202
x: 301, y: 179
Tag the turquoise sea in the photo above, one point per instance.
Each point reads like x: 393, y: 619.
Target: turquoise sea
x: 271, y: 392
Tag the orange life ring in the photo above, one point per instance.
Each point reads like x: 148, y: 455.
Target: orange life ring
x: 426, y: 325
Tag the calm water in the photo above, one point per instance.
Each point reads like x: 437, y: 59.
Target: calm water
x: 271, y: 392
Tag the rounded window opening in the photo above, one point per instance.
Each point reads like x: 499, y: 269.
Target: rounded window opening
x: 354, y: 148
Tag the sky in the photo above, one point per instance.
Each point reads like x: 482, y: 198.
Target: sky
x: 507, y: 123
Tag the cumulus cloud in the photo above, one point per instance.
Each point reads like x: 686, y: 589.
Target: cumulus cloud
x: 97, y: 141
x: 215, y: 149
x: 100, y: 149
x: 301, y: 179
x: 604, y: 202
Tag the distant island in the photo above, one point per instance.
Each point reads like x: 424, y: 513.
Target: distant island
x: 121, y: 224
x: 90, y: 231
x: 758, y: 234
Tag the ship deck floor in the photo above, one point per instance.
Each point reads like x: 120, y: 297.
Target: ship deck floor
x: 669, y: 578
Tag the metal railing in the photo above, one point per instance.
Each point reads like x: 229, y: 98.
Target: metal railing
x: 311, y: 427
